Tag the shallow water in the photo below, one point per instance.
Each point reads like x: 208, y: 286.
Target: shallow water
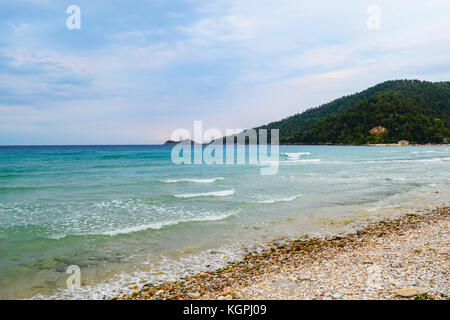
x: 123, y: 213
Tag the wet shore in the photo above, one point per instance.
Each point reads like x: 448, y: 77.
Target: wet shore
x: 401, y: 258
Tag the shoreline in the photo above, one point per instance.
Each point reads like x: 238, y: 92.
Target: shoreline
x: 396, y: 258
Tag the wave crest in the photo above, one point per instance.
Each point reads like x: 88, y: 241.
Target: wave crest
x: 195, y: 180
x: 295, y: 155
x: 275, y: 200
x: 223, y: 193
x: 159, y: 225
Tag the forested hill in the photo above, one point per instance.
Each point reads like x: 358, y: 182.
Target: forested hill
x: 417, y: 111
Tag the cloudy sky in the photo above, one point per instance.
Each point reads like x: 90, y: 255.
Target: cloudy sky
x: 137, y: 70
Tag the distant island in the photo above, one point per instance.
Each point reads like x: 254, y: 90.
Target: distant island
x: 405, y: 111
x: 186, y: 141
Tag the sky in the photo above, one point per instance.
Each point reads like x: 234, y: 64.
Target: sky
x: 137, y: 70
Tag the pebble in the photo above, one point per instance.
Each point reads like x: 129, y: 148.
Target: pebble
x: 194, y: 295
x: 410, y: 291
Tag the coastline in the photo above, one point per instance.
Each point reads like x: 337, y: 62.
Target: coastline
x: 398, y: 258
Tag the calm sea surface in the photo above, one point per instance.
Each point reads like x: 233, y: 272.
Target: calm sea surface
x: 124, y: 213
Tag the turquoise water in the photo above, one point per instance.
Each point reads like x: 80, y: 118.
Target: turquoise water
x: 125, y: 212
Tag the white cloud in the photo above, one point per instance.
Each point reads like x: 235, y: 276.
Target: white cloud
x: 230, y: 28
x: 51, y: 59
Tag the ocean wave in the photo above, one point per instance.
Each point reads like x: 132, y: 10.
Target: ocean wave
x: 428, y: 151
x: 300, y: 161
x: 22, y: 188
x: 421, y: 160
x: 223, y: 193
x: 275, y: 200
x: 195, y: 180
x: 426, y: 160
x: 160, y: 225
x: 295, y: 155
x: 211, y: 217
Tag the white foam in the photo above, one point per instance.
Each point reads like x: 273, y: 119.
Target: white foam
x: 428, y: 151
x: 421, y: 160
x: 159, y: 225
x: 435, y: 160
x: 295, y: 155
x: 195, y: 180
x: 300, y: 161
x: 223, y: 193
x: 275, y: 200
x: 168, y: 270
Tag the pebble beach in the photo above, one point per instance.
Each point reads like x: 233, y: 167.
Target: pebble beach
x: 401, y: 258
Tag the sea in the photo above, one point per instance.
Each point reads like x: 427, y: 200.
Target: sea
x: 125, y: 216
